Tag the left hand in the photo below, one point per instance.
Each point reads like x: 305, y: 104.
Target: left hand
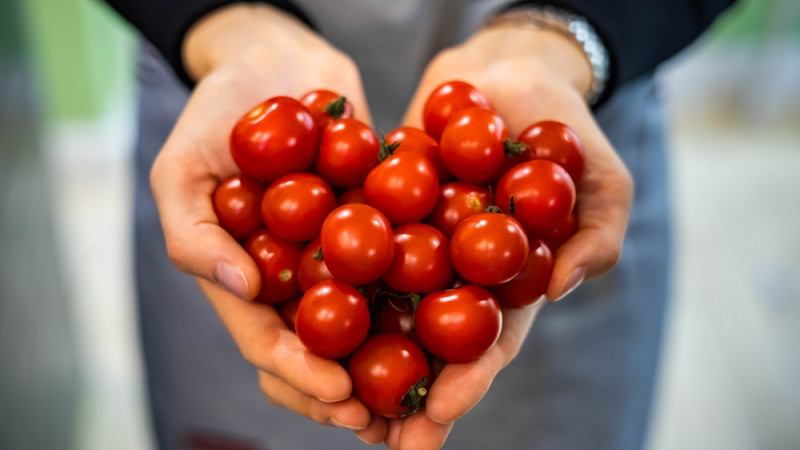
x: 528, y: 74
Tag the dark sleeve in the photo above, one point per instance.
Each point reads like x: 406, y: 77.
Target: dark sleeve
x: 640, y: 34
x: 165, y: 22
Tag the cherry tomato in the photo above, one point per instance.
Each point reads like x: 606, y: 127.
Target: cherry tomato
x: 473, y: 145
x: 456, y: 202
x: 326, y: 106
x: 558, y: 234
x: 403, y: 187
x: 489, y: 248
x: 237, y: 203
x: 277, y: 259
x: 355, y: 195
x: 357, y: 243
x: 392, y: 313
x: 288, y: 311
x: 543, y: 192
x: 410, y: 139
x: 390, y: 375
x: 556, y: 142
x: 421, y: 260
x: 332, y: 319
x: 348, y: 151
x: 458, y: 325
x: 275, y: 138
x: 312, y: 268
x: 446, y: 100
x: 295, y: 205
x: 530, y: 284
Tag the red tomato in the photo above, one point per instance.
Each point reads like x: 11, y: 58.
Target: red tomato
x: 458, y: 325
x: 530, y: 284
x: 348, y: 151
x: 421, y: 261
x: 558, y: 234
x: 355, y: 195
x: 473, y: 145
x: 237, y: 203
x: 326, y: 106
x: 446, y: 100
x: 295, y: 205
x: 392, y: 314
x: 357, y: 243
x: 288, y: 311
x: 543, y: 192
x: 456, y: 202
x: 556, y: 142
x: 489, y: 248
x: 403, y: 187
x: 332, y: 319
x: 277, y: 259
x: 275, y: 138
x: 390, y: 375
x: 412, y: 139
x: 312, y: 268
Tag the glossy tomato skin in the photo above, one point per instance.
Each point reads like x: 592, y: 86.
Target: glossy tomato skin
x: 332, y: 319
x: 446, y: 100
x: 277, y: 260
x: 348, y: 151
x: 557, y: 142
x: 472, y: 145
x: 295, y: 205
x: 543, y: 192
x: 237, y: 203
x: 355, y: 195
x: 531, y: 283
x: 384, y: 369
x: 404, y: 187
x: 458, y: 325
x: 556, y: 235
x: 489, y: 248
x: 411, y: 139
x: 357, y: 243
x: 288, y: 311
x: 319, y: 102
x: 312, y: 269
x: 457, y: 201
x: 421, y: 261
x: 392, y: 313
x: 277, y: 137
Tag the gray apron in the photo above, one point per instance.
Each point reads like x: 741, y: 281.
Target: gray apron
x: 585, y: 376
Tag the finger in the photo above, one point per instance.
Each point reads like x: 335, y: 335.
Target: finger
x: 196, y: 243
x: 605, y: 196
x: 267, y: 343
x: 417, y: 432
x: 459, y: 387
x: 375, y: 432
x: 349, y: 413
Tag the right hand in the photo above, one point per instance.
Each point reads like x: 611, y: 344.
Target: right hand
x: 242, y: 55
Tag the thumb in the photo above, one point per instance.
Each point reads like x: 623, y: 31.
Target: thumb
x: 196, y: 243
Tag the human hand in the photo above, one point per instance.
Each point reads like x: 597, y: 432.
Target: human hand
x: 528, y: 75
x: 242, y: 55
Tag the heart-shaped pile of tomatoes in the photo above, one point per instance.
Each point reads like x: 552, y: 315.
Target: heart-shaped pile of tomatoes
x: 386, y: 252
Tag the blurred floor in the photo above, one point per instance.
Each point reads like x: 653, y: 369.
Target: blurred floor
x: 732, y: 347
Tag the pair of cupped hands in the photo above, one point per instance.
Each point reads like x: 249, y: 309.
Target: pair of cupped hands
x: 243, y: 54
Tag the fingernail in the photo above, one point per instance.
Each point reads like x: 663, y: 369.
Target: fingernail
x: 573, y: 281
x: 231, y: 279
x: 333, y: 422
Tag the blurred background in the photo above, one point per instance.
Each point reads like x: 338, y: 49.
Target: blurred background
x: 70, y: 368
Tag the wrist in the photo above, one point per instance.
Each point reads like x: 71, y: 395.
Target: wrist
x: 241, y: 33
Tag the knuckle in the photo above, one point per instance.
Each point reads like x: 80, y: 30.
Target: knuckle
x: 256, y: 345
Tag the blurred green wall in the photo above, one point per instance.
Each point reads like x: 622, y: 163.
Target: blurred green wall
x: 82, y: 53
